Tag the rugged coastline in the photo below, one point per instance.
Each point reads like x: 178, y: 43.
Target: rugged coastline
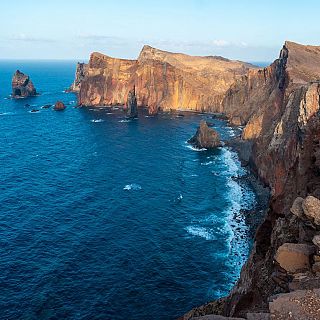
x: 278, y: 107
x: 284, y: 142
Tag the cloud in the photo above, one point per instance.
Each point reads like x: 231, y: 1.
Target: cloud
x: 27, y: 38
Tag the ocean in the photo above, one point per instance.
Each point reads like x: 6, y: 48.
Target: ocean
x: 107, y: 218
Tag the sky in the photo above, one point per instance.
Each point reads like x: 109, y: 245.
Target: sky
x: 236, y: 29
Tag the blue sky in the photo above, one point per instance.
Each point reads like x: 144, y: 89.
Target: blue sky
x: 237, y: 29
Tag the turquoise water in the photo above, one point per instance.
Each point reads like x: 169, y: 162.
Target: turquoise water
x: 104, y: 218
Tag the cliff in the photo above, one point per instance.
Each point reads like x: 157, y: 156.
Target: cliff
x: 279, y: 106
x: 163, y: 80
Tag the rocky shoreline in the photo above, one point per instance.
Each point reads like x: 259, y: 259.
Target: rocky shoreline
x: 279, y: 109
x: 284, y: 152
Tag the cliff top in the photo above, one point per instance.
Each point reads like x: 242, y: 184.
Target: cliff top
x: 303, y: 63
x: 194, y: 63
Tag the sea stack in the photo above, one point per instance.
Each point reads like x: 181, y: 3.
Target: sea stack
x: 205, y: 137
x: 22, y: 86
x: 59, y: 106
x: 132, y: 111
x: 79, y: 76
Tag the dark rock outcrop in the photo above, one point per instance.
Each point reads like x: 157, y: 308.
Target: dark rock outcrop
x: 205, y: 137
x: 22, y: 86
x: 59, y: 106
x: 164, y: 80
x: 132, y: 107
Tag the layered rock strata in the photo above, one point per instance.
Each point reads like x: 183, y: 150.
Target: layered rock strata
x: 22, y: 86
x: 163, y: 80
x: 279, y: 106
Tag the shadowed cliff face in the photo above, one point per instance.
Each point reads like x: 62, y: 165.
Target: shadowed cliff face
x: 280, y: 107
x: 163, y: 80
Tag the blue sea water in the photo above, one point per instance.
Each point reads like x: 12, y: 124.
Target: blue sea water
x: 105, y: 218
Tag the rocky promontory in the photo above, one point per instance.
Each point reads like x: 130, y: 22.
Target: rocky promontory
x: 279, y: 106
x: 164, y: 80
x: 205, y: 137
x: 22, y: 86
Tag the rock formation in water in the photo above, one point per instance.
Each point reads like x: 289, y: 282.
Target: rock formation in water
x: 279, y: 106
x: 205, y: 137
x: 59, y: 106
x: 132, y: 107
x: 22, y: 86
x: 163, y: 80
x: 81, y: 70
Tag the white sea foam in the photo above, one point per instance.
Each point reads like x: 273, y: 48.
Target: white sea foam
x: 195, y: 149
x: 206, y: 163
x: 6, y: 113
x: 97, y: 120
x: 132, y: 186
x: 124, y: 120
x: 201, y: 232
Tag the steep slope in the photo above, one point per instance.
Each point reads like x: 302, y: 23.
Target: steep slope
x: 281, y: 106
x: 163, y: 80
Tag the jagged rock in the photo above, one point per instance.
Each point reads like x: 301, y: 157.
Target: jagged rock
x: 296, y: 208
x: 163, y: 80
x: 59, y: 106
x: 311, y: 208
x: 304, y: 281
x: 205, y: 137
x: 297, y: 305
x: 132, y: 108
x: 316, y: 241
x: 316, y: 267
x: 22, y: 86
x: 294, y: 257
x: 81, y: 71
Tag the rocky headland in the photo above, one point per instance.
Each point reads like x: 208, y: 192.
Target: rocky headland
x: 163, y: 80
x: 22, y: 86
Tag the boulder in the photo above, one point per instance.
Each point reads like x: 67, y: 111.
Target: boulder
x: 294, y: 257
x: 59, y: 106
x: 205, y: 137
x: 296, y: 208
x: 299, y: 305
x: 132, y: 111
x: 311, y: 208
x: 22, y: 86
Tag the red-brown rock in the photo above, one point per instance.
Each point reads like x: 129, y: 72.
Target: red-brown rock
x: 59, y: 106
x: 163, y: 80
x: 22, y: 86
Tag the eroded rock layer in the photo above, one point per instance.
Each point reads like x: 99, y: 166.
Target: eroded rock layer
x: 163, y: 80
x: 279, y: 106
